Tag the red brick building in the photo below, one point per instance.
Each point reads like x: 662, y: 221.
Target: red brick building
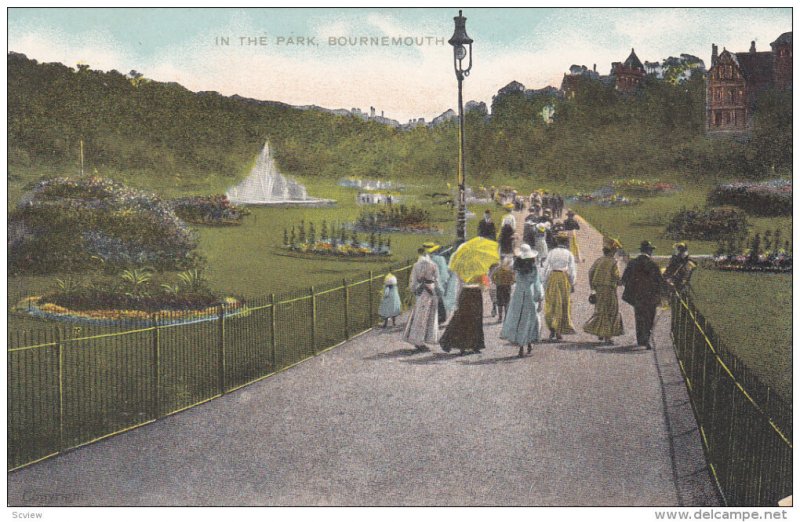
x: 735, y: 80
x: 629, y: 74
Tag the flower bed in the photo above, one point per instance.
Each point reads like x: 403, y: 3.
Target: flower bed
x: 640, y: 187
x: 769, y: 198
x: 708, y: 224
x: 395, y: 218
x: 38, y: 306
x: 603, y: 197
x: 208, y: 210
x: 327, y: 248
x: 780, y: 262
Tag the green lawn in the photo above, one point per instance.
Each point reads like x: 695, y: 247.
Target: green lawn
x: 648, y: 220
x: 752, y: 313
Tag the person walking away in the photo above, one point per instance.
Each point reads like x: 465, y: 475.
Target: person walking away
x: 529, y: 230
x: 606, y: 322
x: 506, y: 240
x: 486, y: 227
x: 508, y: 218
x: 571, y: 225
x: 503, y: 278
x: 540, y: 242
x: 422, y: 327
x: 521, y: 325
x: 643, y: 282
x: 493, y: 288
x: 680, y: 268
x: 465, y: 329
x: 431, y: 249
x: 559, y: 275
x: 390, y: 306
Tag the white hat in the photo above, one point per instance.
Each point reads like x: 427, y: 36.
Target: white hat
x: 526, y: 252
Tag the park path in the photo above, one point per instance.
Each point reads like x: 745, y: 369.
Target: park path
x: 373, y: 422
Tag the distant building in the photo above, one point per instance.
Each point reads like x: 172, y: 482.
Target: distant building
x: 629, y: 74
x: 512, y: 87
x: 735, y: 80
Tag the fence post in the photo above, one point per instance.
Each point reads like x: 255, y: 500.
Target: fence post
x: 346, y: 309
x: 371, y: 298
x: 313, y: 321
x: 221, y: 349
x: 60, y: 355
x: 156, y: 368
x: 273, y: 341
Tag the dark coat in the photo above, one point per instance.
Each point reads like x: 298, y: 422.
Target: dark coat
x: 571, y: 224
x: 487, y: 229
x: 643, y: 282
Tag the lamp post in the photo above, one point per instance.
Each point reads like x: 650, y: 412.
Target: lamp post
x: 462, y: 48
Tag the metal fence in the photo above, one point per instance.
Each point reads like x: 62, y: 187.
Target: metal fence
x: 746, y: 429
x: 71, y: 387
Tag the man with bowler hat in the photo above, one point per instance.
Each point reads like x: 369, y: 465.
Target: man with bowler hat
x: 643, y: 282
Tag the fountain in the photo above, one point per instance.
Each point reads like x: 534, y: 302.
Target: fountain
x: 266, y: 186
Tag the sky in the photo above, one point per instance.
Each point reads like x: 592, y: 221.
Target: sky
x: 532, y: 46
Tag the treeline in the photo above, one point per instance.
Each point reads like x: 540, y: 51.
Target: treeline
x: 157, y: 135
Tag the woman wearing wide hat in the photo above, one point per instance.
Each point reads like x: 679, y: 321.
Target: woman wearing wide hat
x: 521, y: 325
x: 604, y: 277
x: 571, y: 226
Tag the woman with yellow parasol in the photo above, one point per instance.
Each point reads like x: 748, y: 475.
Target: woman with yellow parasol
x: 471, y: 263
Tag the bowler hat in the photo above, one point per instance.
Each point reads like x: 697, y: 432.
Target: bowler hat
x: 646, y: 246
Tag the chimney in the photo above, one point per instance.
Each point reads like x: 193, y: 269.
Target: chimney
x: 381, y: 114
x: 753, y: 46
x: 594, y: 67
x: 713, y: 55
x: 372, y: 112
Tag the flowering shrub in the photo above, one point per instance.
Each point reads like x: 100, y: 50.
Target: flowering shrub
x: 66, y: 224
x: 208, y: 210
x: 395, y: 218
x: 642, y: 187
x: 770, y: 198
x: 334, y: 242
x: 767, y: 253
x: 708, y: 224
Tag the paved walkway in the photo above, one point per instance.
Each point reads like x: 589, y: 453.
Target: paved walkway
x: 375, y: 423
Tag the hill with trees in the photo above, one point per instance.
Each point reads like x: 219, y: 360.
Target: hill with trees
x: 163, y: 137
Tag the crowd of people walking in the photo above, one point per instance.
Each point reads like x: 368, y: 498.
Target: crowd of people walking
x: 531, y: 287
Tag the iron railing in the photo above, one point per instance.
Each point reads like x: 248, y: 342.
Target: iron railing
x: 746, y: 429
x: 71, y: 387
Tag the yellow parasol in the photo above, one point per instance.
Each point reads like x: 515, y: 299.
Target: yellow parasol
x: 474, y: 258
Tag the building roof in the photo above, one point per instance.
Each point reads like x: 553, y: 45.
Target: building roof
x: 633, y: 62
x: 784, y: 39
x: 755, y: 67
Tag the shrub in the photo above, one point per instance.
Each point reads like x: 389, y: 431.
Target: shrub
x: 772, y: 198
x: 710, y: 224
x: 208, y: 210
x: 68, y: 224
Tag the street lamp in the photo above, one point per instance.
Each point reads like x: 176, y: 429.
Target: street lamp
x: 460, y: 41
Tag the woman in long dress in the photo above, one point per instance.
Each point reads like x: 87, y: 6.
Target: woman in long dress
x: 465, y: 329
x: 521, y: 325
x: 506, y: 240
x: 571, y: 225
x: 559, y: 274
x: 423, y: 325
x: 604, y: 278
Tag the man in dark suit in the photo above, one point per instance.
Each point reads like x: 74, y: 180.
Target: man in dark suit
x: 643, y: 282
x: 486, y: 227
